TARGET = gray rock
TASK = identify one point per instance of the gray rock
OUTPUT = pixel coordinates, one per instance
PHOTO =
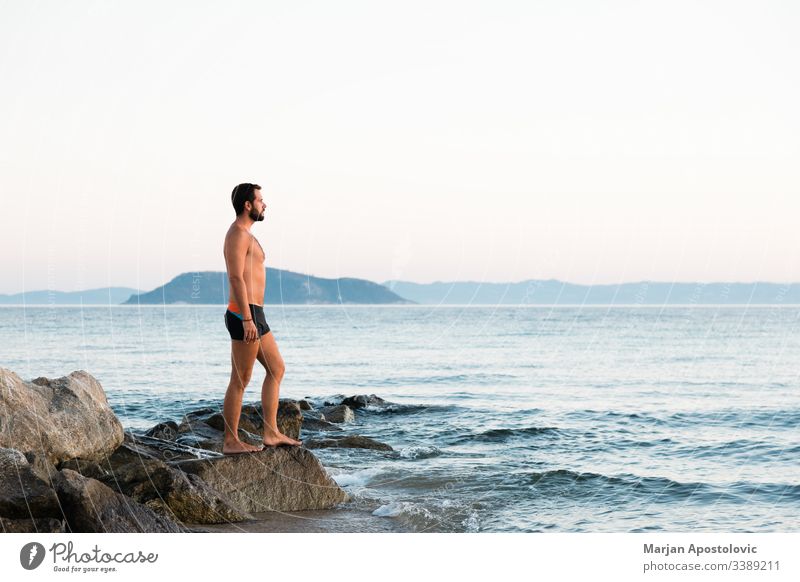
(62, 418)
(353, 441)
(304, 404)
(23, 493)
(91, 507)
(340, 413)
(276, 479)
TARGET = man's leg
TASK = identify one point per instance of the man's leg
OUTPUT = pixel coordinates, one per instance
(271, 359)
(243, 356)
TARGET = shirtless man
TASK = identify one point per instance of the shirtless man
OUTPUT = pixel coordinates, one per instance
(251, 338)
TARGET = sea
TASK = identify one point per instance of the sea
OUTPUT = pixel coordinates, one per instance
(620, 418)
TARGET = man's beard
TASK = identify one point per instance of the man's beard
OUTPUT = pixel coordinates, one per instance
(255, 216)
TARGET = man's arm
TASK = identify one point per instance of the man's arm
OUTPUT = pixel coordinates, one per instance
(235, 256)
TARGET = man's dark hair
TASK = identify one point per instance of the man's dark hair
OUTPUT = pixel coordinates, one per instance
(241, 194)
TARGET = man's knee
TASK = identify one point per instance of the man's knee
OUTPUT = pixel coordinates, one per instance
(241, 378)
(276, 369)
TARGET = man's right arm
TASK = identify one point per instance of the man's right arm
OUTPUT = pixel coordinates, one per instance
(235, 256)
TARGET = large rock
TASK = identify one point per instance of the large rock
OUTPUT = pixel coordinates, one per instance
(91, 507)
(62, 418)
(276, 479)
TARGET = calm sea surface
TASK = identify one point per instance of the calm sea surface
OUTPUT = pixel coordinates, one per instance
(508, 419)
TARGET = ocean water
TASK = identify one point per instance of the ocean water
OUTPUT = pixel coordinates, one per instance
(567, 419)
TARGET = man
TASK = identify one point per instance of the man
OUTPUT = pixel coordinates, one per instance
(251, 338)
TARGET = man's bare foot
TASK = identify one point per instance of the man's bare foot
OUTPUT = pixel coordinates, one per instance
(274, 439)
(239, 447)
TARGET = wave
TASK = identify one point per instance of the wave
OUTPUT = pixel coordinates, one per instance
(739, 418)
(656, 489)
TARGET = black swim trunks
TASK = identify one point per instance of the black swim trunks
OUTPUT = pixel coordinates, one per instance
(235, 325)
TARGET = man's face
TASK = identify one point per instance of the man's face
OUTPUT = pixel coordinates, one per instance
(257, 211)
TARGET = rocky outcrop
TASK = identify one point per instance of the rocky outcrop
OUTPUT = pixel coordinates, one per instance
(276, 479)
(62, 418)
(67, 466)
(353, 441)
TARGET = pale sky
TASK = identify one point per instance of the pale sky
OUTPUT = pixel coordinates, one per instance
(592, 142)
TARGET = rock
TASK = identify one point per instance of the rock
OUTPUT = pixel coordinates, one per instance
(338, 413)
(276, 479)
(353, 441)
(91, 507)
(23, 493)
(317, 424)
(62, 418)
(304, 404)
(166, 431)
(32, 525)
(170, 492)
(362, 401)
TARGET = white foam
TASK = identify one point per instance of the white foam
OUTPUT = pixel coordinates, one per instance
(419, 452)
(390, 509)
(356, 479)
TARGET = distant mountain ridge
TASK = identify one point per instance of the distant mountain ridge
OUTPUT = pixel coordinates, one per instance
(283, 287)
(289, 287)
(554, 292)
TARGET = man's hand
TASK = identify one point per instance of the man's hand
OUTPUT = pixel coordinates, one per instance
(250, 331)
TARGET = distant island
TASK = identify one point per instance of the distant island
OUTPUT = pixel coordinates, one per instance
(283, 287)
(289, 287)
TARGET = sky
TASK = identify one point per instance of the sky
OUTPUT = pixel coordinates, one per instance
(591, 142)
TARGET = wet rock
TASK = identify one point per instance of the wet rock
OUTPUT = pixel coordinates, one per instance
(304, 404)
(61, 418)
(347, 442)
(339, 414)
(276, 479)
(363, 400)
